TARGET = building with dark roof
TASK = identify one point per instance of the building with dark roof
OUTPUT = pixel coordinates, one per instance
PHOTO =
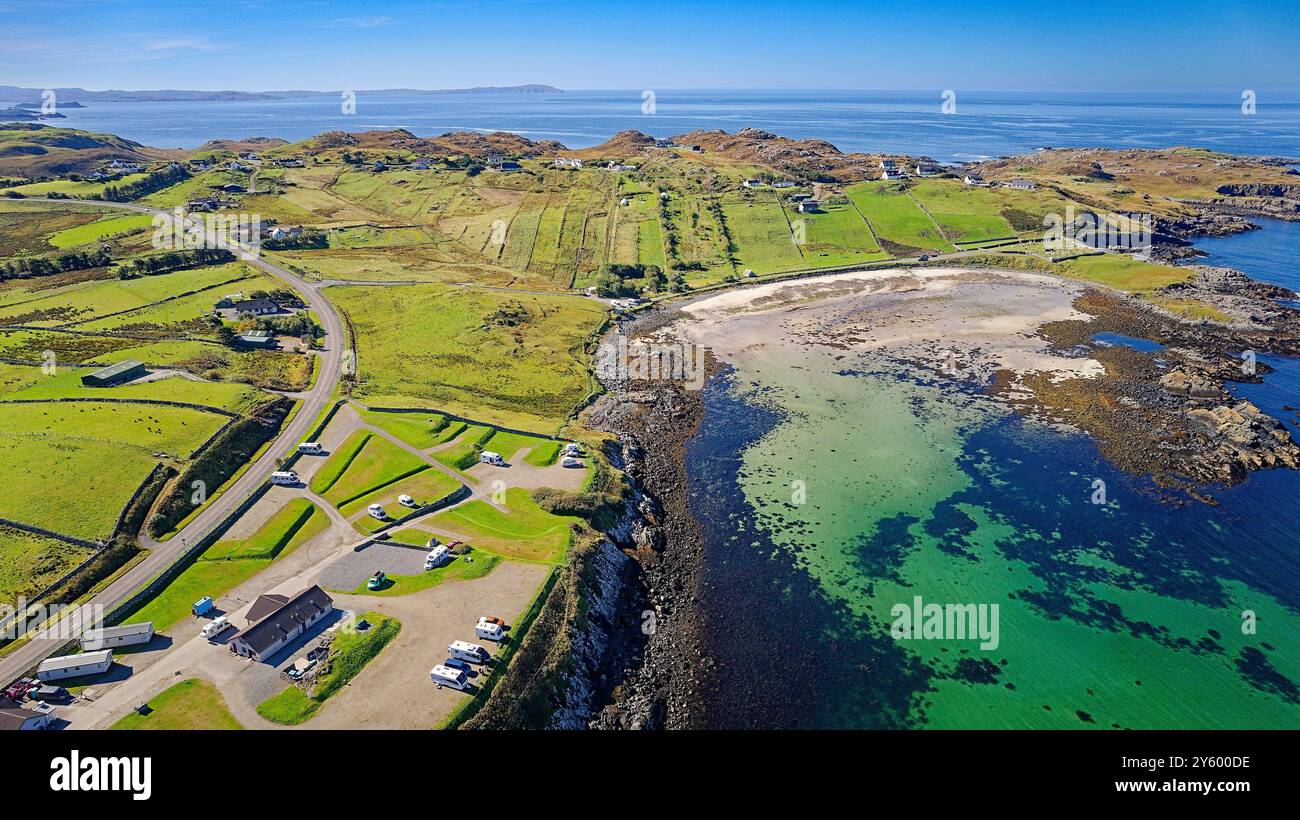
(114, 374)
(15, 716)
(282, 620)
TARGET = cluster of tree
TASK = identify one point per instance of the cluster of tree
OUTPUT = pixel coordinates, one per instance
(309, 239)
(154, 181)
(613, 280)
(27, 268)
(173, 260)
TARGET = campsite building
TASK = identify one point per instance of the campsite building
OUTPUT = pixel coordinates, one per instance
(276, 620)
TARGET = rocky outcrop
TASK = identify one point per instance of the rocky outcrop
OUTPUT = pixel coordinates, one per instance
(1240, 439)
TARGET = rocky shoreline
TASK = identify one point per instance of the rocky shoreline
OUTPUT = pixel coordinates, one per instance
(650, 662)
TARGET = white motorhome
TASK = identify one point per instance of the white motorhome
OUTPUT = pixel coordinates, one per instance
(311, 448)
(466, 651)
(572, 449)
(215, 627)
(489, 457)
(436, 557)
(446, 676)
(488, 630)
(570, 461)
(288, 477)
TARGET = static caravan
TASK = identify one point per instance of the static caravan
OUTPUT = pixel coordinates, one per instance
(488, 630)
(466, 651)
(111, 637)
(75, 666)
(446, 676)
(285, 477)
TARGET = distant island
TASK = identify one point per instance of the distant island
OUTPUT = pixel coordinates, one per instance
(67, 96)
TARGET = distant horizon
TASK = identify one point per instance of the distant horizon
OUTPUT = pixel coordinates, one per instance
(702, 88)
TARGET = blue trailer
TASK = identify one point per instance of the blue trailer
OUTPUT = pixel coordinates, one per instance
(202, 606)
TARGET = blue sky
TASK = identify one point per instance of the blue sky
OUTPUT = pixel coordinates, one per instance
(608, 44)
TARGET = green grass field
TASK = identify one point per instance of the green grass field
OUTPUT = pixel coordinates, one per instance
(513, 359)
(349, 654)
(95, 231)
(766, 242)
(480, 564)
(426, 486)
(420, 430)
(902, 227)
(464, 453)
(192, 704)
(91, 456)
(368, 463)
(227, 564)
(83, 301)
(229, 396)
(527, 531)
(30, 563)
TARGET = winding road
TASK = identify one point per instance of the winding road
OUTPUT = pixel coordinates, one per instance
(162, 555)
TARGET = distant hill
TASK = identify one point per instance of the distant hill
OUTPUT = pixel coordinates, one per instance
(16, 94)
(33, 150)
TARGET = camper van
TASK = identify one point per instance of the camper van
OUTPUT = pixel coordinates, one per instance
(311, 448)
(570, 461)
(572, 449)
(489, 631)
(446, 676)
(436, 557)
(377, 511)
(288, 477)
(466, 651)
(215, 627)
(489, 457)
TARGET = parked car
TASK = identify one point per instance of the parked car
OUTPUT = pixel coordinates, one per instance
(457, 663)
(406, 500)
(50, 694)
(377, 580)
(377, 511)
(492, 619)
(433, 542)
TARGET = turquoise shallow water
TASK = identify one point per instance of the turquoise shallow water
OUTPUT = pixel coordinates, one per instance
(829, 496)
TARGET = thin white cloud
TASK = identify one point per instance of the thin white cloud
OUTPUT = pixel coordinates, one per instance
(182, 44)
(359, 22)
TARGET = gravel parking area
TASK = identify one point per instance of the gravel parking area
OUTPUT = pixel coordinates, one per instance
(352, 570)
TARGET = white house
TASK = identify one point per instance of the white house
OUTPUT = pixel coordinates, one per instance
(75, 666)
(279, 620)
(17, 716)
(1022, 184)
(752, 183)
(111, 637)
(783, 183)
(893, 173)
(973, 178)
(808, 206)
(926, 169)
(565, 162)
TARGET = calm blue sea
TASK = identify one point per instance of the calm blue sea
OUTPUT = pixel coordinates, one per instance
(788, 655)
(985, 124)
